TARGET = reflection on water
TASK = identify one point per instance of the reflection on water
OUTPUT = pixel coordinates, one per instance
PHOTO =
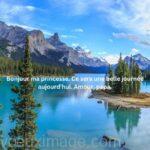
(125, 119)
(145, 86)
(71, 114)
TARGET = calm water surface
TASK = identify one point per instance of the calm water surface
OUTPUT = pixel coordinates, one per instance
(69, 120)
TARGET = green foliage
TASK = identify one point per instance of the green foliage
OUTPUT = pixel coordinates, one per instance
(10, 67)
(125, 76)
(119, 73)
(22, 136)
(109, 75)
(39, 69)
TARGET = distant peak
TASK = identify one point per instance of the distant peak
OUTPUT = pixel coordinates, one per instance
(2, 23)
(55, 37)
(78, 48)
(36, 31)
(137, 55)
(55, 40)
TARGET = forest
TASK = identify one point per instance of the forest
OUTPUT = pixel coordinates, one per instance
(10, 67)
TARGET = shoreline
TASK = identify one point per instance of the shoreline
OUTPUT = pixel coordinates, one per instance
(143, 101)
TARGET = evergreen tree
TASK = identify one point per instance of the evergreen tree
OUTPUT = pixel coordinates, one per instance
(131, 75)
(22, 136)
(119, 74)
(10, 67)
(109, 76)
(127, 75)
(136, 74)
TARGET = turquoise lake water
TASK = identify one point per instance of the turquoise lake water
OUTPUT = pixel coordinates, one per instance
(69, 120)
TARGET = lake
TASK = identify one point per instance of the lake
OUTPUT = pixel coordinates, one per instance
(69, 120)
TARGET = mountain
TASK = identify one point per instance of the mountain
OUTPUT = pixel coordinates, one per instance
(47, 50)
(143, 62)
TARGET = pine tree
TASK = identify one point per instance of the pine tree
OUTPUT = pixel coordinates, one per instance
(23, 135)
(125, 72)
(119, 74)
(110, 75)
(131, 75)
(126, 76)
(136, 84)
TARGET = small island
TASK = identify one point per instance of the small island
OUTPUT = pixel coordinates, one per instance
(119, 101)
(124, 84)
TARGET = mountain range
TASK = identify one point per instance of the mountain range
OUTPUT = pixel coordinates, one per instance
(143, 62)
(52, 51)
(47, 50)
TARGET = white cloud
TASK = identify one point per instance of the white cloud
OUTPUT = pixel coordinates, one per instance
(133, 16)
(102, 53)
(75, 44)
(65, 36)
(126, 36)
(87, 50)
(30, 28)
(134, 51)
(78, 30)
(10, 12)
(47, 33)
(111, 59)
(75, 7)
(30, 8)
(132, 37)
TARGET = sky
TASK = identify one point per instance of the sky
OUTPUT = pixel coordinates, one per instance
(106, 28)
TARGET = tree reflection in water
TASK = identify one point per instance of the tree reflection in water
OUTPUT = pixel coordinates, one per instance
(125, 119)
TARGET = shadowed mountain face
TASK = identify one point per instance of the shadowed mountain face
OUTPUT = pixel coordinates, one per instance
(47, 51)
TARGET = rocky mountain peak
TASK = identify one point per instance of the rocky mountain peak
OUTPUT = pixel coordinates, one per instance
(55, 40)
(79, 49)
(139, 57)
(38, 42)
(2, 23)
(16, 35)
(36, 33)
(56, 37)
(142, 61)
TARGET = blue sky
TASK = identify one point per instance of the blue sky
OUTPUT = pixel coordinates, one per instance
(104, 27)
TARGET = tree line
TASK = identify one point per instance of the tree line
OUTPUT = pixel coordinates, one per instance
(124, 79)
(10, 67)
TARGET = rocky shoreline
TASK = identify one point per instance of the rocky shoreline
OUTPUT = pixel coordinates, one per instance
(141, 101)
